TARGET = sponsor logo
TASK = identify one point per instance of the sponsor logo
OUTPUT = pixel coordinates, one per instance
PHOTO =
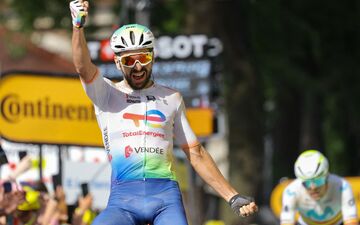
(133, 99)
(13, 109)
(151, 116)
(152, 150)
(106, 53)
(143, 133)
(351, 202)
(128, 151)
(286, 208)
(313, 214)
(150, 98)
(106, 140)
(290, 193)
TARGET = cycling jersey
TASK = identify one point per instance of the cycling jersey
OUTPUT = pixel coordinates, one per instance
(138, 127)
(336, 206)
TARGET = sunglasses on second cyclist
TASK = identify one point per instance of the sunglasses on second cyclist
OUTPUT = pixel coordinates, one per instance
(316, 182)
(130, 60)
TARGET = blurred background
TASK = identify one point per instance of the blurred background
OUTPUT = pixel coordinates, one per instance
(262, 80)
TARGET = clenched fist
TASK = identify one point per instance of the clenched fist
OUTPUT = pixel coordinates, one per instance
(243, 205)
(79, 11)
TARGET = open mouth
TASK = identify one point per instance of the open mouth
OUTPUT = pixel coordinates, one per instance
(138, 77)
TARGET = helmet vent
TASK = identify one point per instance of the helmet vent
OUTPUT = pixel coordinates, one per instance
(124, 42)
(147, 43)
(132, 37)
(317, 168)
(301, 171)
(141, 39)
(119, 46)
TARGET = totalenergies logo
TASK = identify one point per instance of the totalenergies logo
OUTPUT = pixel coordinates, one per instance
(150, 116)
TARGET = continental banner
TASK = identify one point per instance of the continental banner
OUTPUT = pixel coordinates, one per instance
(46, 109)
(276, 195)
(37, 108)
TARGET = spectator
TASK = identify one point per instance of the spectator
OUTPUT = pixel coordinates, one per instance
(84, 214)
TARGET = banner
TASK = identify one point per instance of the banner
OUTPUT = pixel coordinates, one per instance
(47, 109)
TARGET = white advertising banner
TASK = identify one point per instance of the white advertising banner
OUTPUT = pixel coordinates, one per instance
(14, 153)
(97, 175)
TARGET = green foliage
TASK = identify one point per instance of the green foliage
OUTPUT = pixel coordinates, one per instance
(311, 47)
(168, 16)
(28, 10)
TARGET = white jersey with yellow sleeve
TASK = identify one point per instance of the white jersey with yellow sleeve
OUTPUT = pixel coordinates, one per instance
(138, 127)
(337, 206)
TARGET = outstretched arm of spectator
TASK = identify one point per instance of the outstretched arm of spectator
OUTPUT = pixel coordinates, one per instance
(62, 207)
(84, 204)
(9, 201)
(24, 165)
(50, 210)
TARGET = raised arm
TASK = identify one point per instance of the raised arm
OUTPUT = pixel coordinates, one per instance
(81, 57)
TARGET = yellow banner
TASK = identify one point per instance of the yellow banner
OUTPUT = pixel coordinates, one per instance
(201, 120)
(47, 109)
(55, 110)
(276, 195)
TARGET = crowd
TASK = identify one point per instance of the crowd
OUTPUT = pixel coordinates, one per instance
(32, 204)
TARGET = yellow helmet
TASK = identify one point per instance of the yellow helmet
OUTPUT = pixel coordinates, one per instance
(32, 201)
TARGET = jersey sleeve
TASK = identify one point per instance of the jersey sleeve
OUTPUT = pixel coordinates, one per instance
(349, 210)
(288, 210)
(184, 135)
(98, 90)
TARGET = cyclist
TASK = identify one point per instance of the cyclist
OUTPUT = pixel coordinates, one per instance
(139, 119)
(317, 195)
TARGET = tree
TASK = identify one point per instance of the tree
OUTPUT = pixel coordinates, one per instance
(242, 91)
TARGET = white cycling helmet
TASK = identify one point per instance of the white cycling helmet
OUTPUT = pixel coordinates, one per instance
(311, 164)
(131, 37)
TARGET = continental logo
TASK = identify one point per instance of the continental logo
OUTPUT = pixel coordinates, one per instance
(13, 109)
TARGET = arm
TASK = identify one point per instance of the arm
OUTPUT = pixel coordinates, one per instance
(348, 205)
(205, 166)
(288, 210)
(62, 207)
(97, 89)
(84, 205)
(81, 57)
(23, 166)
(50, 211)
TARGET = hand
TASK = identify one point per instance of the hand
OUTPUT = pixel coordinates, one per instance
(85, 202)
(243, 205)
(79, 11)
(10, 201)
(59, 193)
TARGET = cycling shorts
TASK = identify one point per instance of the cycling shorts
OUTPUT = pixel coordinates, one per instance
(147, 201)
